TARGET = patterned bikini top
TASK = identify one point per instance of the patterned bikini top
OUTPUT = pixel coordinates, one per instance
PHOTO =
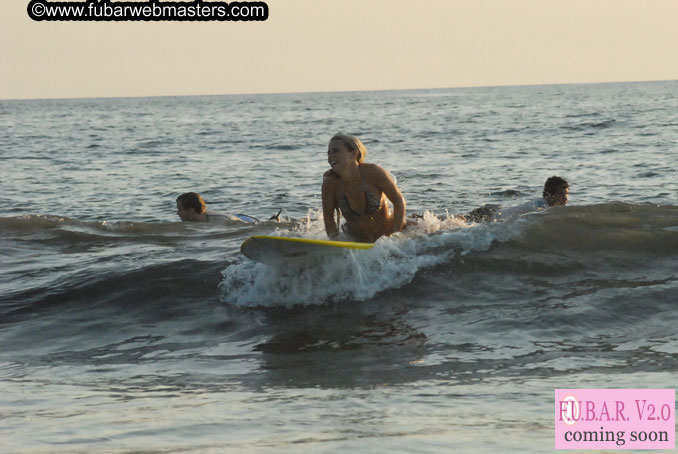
(372, 205)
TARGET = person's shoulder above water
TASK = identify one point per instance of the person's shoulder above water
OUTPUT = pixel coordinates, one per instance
(503, 214)
(221, 217)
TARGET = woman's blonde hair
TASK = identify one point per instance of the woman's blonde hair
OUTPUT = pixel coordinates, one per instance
(353, 144)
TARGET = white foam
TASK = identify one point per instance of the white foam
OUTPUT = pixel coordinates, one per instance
(356, 275)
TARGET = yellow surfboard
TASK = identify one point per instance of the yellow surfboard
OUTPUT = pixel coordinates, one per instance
(275, 250)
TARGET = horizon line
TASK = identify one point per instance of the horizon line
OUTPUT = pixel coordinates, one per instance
(337, 91)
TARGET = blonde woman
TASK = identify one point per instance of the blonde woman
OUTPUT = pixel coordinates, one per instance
(357, 190)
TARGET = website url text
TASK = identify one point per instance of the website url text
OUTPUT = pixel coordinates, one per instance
(151, 10)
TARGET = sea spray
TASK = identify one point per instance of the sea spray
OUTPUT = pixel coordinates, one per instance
(353, 275)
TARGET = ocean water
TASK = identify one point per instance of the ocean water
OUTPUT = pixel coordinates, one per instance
(124, 330)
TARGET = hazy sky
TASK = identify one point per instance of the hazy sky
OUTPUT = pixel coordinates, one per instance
(336, 45)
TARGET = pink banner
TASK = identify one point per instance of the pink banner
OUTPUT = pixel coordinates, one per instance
(615, 419)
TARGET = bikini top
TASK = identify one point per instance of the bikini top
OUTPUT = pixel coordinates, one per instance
(372, 205)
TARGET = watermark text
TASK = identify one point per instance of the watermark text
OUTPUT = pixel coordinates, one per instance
(615, 419)
(151, 10)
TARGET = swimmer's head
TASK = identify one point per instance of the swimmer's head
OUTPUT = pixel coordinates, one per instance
(190, 205)
(556, 190)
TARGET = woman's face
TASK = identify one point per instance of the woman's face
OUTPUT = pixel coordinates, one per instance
(338, 155)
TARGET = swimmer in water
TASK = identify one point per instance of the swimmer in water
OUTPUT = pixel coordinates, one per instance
(191, 208)
(555, 193)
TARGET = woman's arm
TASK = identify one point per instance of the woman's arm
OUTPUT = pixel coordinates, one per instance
(329, 206)
(385, 182)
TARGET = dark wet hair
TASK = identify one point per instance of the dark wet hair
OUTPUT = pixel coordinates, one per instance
(554, 186)
(192, 200)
